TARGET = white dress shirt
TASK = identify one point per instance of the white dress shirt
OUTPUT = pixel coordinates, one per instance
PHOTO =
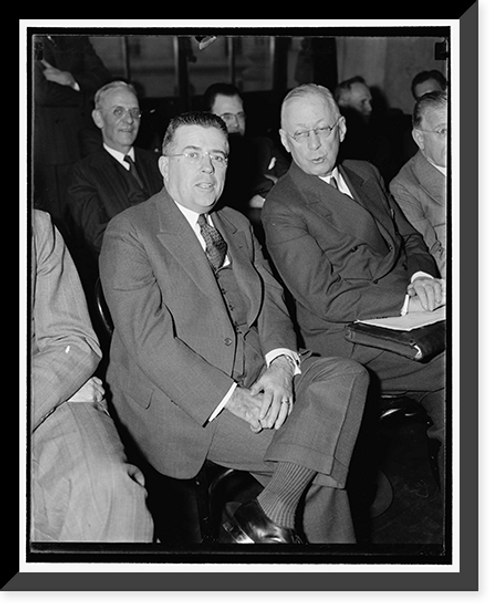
(118, 155)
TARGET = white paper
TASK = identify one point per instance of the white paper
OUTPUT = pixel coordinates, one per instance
(409, 321)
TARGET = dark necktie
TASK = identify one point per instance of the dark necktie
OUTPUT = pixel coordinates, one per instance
(333, 182)
(133, 171)
(216, 246)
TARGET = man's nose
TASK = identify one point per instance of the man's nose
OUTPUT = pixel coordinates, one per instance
(313, 140)
(206, 163)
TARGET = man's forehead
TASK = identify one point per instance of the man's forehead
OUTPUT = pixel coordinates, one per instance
(197, 135)
(224, 103)
(435, 115)
(360, 91)
(120, 95)
(304, 109)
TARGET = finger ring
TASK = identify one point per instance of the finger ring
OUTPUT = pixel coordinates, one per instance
(287, 401)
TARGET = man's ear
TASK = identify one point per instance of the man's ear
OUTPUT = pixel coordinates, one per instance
(163, 162)
(97, 117)
(342, 128)
(418, 138)
(284, 139)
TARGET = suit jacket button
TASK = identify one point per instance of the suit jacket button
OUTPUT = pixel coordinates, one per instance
(228, 341)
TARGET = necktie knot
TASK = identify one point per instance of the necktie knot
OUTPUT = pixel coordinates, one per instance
(333, 182)
(216, 247)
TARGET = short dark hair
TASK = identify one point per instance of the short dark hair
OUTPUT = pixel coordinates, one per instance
(192, 118)
(218, 89)
(429, 100)
(345, 86)
(427, 75)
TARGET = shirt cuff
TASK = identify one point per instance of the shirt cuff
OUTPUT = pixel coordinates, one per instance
(275, 353)
(223, 402)
(420, 273)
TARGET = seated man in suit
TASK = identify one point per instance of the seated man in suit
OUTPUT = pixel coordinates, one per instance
(422, 83)
(373, 132)
(116, 176)
(345, 251)
(255, 163)
(420, 186)
(428, 81)
(83, 488)
(204, 360)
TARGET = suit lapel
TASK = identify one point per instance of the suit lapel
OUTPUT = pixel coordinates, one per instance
(430, 179)
(365, 191)
(178, 238)
(347, 215)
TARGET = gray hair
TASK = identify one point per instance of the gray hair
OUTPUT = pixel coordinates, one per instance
(435, 100)
(308, 89)
(103, 91)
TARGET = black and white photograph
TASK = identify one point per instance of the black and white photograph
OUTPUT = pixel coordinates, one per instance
(242, 305)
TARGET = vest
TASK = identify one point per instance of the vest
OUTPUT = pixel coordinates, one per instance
(248, 360)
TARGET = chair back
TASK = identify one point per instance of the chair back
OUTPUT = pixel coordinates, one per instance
(102, 309)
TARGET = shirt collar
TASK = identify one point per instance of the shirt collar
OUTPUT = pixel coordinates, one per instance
(118, 155)
(342, 185)
(190, 215)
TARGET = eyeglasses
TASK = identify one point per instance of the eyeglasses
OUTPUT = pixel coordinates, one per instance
(442, 132)
(196, 157)
(229, 117)
(119, 112)
(301, 136)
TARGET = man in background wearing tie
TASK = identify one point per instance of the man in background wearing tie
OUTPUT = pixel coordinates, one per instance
(113, 178)
(204, 361)
(345, 251)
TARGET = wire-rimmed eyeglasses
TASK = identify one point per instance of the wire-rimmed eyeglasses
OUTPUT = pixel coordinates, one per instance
(119, 111)
(442, 132)
(195, 157)
(322, 132)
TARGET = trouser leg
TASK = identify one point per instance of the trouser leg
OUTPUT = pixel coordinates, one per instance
(319, 434)
(83, 487)
(425, 382)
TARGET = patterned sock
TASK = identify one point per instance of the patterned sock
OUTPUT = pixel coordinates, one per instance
(280, 497)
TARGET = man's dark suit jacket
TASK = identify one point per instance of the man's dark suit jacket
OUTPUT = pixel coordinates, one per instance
(174, 346)
(61, 112)
(100, 188)
(341, 259)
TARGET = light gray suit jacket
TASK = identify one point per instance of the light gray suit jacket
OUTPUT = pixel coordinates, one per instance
(174, 345)
(420, 190)
(64, 348)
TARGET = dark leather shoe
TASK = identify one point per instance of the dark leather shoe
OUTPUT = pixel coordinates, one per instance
(247, 523)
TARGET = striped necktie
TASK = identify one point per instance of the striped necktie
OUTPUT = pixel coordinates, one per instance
(216, 247)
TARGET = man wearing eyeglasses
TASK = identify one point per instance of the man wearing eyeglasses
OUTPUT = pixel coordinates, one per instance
(256, 162)
(118, 175)
(345, 251)
(204, 359)
(420, 186)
